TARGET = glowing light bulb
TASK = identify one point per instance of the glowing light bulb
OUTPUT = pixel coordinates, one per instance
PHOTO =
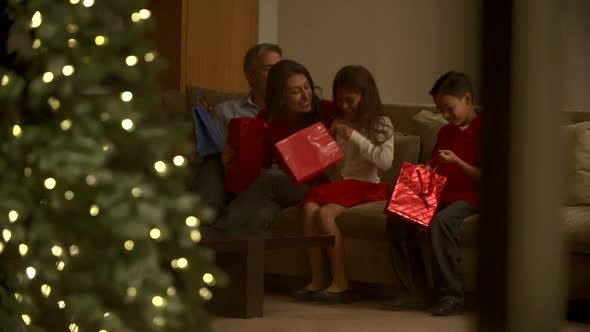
(72, 43)
(1, 247)
(94, 210)
(23, 249)
(131, 60)
(68, 70)
(57, 251)
(160, 167)
(69, 195)
(88, 3)
(178, 161)
(66, 124)
(18, 297)
(101, 40)
(158, 301)
(60, 266)
(91, 180)
(5, 80)
(182, 263)
(208, 278)
(12, 216)
(74, 250)
(195, 235)
(129, 245)
(46, 290)
(26, 318)
(155, 233)
(135, 17)
(48, 77)
(145, 14)
(7, 235)
(61, 304)
(17, 131)
(74, 2)
(36, 20)
(37, 43)
(192, 221)
(171, 291)
(53, 103)
(50, 183)
(126, 96)
(31, 272)
(150, 56)
(128, 125)
(205, 293)
(136, 192)
(74, 327)
(131, 292)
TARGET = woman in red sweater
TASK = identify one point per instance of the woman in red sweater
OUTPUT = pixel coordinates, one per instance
(291, 105)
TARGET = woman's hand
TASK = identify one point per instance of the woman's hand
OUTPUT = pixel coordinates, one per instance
(447, 157)
(227, 155)
(341, 129)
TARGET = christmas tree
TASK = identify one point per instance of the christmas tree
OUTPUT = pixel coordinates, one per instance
(98, 232)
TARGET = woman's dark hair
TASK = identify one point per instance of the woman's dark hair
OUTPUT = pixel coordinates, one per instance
(370, 109)
(276, 85)
(452, 83)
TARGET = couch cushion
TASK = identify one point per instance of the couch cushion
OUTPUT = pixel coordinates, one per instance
(426, 125)
(406, 148)
(578, 170)
(365, 221)
(576, 223)
(401, 115)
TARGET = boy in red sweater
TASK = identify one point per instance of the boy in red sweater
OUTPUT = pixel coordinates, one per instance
(456, 154)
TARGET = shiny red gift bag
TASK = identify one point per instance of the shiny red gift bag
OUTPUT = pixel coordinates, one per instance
(416, 194)
(308, 152)
(245, 136)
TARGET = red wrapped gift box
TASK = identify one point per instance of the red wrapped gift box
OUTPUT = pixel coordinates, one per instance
(416, 194)
(308, 152)
(246, 138)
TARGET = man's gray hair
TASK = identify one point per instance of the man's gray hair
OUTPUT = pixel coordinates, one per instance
(251, 57)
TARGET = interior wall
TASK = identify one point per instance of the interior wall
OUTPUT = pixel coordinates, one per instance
(575, 35)
(406, 44)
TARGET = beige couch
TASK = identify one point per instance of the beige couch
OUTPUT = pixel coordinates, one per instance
(364, 226)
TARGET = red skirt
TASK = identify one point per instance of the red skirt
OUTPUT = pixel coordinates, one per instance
(347, 193)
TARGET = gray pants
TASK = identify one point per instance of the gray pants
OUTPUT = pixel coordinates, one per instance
(445, 231)
(209, 183)
(257, 207)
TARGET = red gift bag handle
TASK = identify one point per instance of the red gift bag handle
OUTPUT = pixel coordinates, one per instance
(423, 194)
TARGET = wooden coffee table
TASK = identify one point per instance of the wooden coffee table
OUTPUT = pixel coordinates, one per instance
(241, 256)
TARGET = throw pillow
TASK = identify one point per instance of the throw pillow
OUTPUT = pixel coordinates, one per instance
(427, 125)
(578, 168)
(406, 148)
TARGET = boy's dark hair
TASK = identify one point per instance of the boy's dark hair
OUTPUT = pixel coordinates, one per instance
(370, 108)
(251, 57)
(276, 85)
(453, 83)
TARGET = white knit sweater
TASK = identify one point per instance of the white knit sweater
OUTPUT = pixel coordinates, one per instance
(362, 159)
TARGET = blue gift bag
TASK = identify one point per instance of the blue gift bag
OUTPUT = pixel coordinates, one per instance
(210, 140)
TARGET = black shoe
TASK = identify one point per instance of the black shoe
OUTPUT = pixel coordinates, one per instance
(447, 307)
(405, 302)
(334, 297)
(303, 295)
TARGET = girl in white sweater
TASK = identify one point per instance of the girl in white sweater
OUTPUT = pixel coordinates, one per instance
(365, 134)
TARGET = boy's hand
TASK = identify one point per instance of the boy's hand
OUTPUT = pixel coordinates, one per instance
(447, 157)
(341, 129)
(227, 155)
